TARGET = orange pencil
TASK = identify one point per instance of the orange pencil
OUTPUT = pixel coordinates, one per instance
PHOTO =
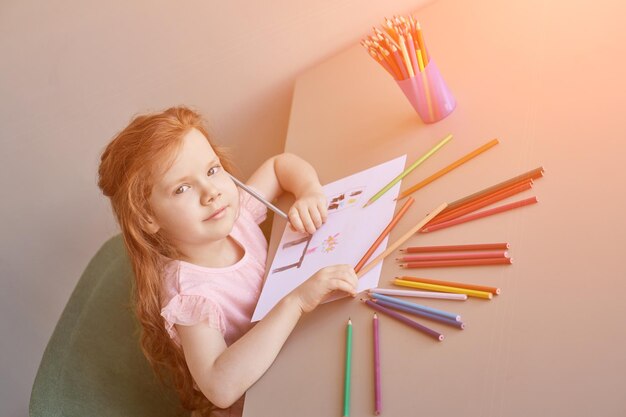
(459, 262)
(449, 248)
(396, 244)
(422, 44)
(453, 255)
(449, 168)
(532, 174)
(483, 202)
(492, 290)
(384, 234)
(480, 214)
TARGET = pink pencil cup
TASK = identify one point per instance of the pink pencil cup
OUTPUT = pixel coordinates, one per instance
(428, 93)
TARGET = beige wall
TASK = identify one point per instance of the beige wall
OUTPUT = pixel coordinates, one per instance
(72, 73)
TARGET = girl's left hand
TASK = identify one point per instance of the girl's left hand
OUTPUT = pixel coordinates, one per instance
(309, 212)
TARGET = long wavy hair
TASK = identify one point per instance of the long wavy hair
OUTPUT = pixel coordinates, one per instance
(127, 173)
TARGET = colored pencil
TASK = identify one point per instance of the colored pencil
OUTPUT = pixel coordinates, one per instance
(419, 294)
(387, 311)
(401, 240)
(443, 288)
(479, 215)
(401, 38)
(453, 255)
(409, 169)
(457, 262)
(259, 197)
(493, 290)
(532, 174)
(450, 248)
(483, 202)
(447, 169)
(384, 234)
(417, 307)
(347, 384)
(422, 314)
(378, 402)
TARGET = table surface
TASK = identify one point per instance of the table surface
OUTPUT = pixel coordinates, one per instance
(546, 78)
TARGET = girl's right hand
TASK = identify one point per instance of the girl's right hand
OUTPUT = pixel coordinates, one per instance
(337, 277)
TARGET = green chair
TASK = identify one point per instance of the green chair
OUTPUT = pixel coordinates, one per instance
(93, 365)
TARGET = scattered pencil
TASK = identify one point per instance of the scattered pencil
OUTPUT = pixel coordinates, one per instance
(430, 332)
(451, 248)
(422, 314)
(409, 169)
(479, 215)
(443, 288)
(458, 262)
(417, 307)
(453, 255)
(532, 174)
(378, 402)
(447, 169)
(419, 294)
(384, 234)
(347, 384)
(493, 290)
(401, 240)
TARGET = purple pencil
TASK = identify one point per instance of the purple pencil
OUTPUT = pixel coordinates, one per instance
(405, 320)
(378, 405)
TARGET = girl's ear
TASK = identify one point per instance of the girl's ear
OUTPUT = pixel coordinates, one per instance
(152, 225)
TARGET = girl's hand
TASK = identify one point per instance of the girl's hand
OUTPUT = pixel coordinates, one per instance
(309, 212)
(337, 277)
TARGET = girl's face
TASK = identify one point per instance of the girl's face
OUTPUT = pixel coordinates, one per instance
(195, 202)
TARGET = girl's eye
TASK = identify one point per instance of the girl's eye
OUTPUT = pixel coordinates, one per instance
(182, 189)
(214, 170)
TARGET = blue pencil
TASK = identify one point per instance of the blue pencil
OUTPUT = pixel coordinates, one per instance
(418, 307)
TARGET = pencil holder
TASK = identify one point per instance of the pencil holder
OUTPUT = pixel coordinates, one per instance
(428, 93)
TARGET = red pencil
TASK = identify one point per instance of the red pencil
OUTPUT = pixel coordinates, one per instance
(479, 215)
(453, 255)
(384, 234)
(449, 248)
(483, 202)
(458, 262)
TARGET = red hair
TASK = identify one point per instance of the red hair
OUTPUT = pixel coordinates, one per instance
(127, 173)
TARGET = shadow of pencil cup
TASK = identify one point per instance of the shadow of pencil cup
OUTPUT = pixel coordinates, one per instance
(428, 93)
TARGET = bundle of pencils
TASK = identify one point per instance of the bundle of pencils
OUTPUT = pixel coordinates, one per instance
(465, 209)
(399, 47)
(455, 255)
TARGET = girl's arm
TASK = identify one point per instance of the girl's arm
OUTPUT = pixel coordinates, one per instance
(288, 172)
(222, 373)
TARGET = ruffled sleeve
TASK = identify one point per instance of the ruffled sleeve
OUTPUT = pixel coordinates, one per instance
(252, 206)
(188, 310)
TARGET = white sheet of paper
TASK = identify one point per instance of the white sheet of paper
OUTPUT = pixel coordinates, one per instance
(347, 234)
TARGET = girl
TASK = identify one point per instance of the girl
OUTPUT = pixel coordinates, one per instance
(198, 255)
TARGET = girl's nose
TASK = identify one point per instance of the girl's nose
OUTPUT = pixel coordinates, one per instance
(210, 194)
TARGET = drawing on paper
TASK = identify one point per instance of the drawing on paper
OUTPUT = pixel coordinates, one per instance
(298, 249)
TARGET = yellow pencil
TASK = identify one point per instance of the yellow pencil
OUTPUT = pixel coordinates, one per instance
(443, 288)
(408, 170)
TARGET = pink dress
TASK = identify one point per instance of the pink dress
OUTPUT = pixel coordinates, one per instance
(223, 297)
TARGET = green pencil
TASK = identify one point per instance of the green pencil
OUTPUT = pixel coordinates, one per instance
(408, 170)
(346, 387)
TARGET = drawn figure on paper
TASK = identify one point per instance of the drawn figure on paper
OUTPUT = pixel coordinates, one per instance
(345, 200)
(298, 249)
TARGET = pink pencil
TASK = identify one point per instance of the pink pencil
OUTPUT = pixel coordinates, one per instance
(454, 255)
(480, 214)
(378, 402)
